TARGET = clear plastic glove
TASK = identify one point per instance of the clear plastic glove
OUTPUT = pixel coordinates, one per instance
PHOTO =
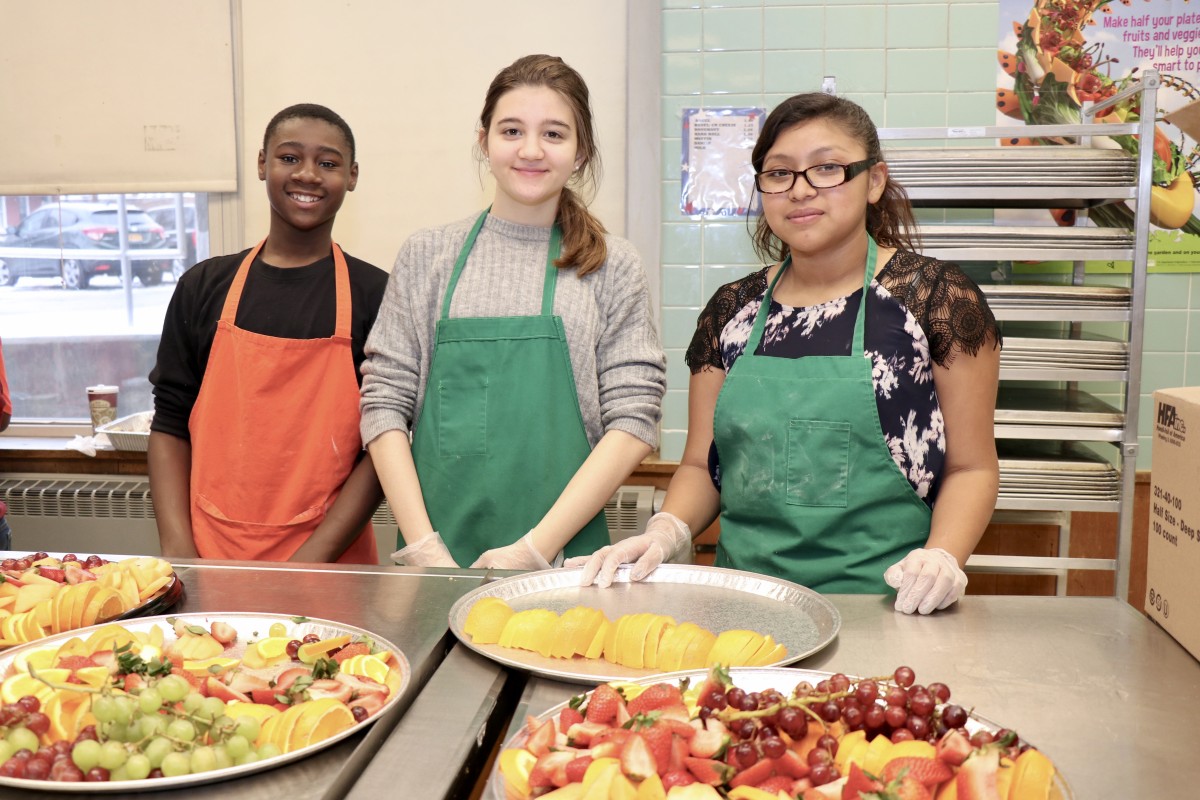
(926, 580)
(519, 555)
(428, 552)
(665, 536)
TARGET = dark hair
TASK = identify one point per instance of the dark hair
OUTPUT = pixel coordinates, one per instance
(583, 234)
(310, 111)
(890, 220)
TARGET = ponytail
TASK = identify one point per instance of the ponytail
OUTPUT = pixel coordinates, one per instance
(583, 245)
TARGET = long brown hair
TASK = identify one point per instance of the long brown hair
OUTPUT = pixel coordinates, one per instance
(889, 221)
(583, 245)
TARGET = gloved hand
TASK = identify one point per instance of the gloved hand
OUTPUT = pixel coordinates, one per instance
(664, 537)
(519, 555)
(926, 580)
(427, 552)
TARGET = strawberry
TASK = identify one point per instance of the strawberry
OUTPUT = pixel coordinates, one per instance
(655, 697)
(581, 733)
(350, 650)
(53, 573)
(577, 768)
(907, 788)
(637, 762)
(927, 771)
(223, 632)
(953, 748)
(618, 735)
(859, 783)
(659, 739)
(680, 729)
(711, 741)
(75, 662)
(976, 779)
(754, 774)
(567, 717)
(603, 705)
(791, 764)
(677, 777)
(551, 769)
(776, 784)
(708, 770)
(542, 739)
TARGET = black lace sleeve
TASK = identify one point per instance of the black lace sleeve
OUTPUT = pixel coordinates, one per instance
(705, 348)
(949, 306)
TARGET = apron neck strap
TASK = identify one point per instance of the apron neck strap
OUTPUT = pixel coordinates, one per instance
(859, 343)
(551, 270)
(341, 282)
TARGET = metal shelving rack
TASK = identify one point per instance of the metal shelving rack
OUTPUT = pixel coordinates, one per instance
(1072, 422)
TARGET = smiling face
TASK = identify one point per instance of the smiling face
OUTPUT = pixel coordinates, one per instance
(812, 222)
(532, 146)
(308, 168)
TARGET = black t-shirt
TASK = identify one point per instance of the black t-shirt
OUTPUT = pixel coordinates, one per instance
(292, 303)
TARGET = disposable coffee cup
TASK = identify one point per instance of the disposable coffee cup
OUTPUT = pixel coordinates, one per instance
(102, 403)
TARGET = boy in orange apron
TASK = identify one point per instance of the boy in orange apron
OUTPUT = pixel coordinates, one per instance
(254, 449)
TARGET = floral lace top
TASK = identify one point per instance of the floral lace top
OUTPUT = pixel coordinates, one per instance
(920, 311)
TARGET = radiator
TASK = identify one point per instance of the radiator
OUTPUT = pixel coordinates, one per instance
(114, 514)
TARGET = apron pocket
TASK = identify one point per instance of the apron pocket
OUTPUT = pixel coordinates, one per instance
(242, 539)
(462, 418)
(818, 457)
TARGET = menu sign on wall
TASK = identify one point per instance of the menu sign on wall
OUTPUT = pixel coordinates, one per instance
(717, 177)
(1058, 55)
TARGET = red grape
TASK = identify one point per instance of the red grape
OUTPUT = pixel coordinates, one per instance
(904, 676)
(939, 690)
(96, 774)
(746, 755)
(954, 716)
(774, 747)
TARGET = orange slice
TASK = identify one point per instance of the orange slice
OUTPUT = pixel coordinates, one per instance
(486, 619)
(320, 719)
(367, 665)
(596, 648)
(654, 633)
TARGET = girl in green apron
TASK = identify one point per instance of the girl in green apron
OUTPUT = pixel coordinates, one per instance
(519, 349)
(842, 400)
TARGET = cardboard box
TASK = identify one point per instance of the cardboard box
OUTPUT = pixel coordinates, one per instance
(1173, 556)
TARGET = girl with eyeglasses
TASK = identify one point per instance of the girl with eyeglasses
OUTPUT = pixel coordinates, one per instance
(842, 399)
(518, 346)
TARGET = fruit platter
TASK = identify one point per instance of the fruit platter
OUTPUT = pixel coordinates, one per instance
(171, 701)
(42, 595)
(770, 734)
(679, 617)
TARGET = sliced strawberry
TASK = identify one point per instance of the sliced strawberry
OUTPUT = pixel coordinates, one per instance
(656, 697)
(218, 689)
(105, 658)
(133, 683)
(542, 739)
(776, 784)
(53, 573)
(577, 768)
(223, 632)
(976, 779)
(708, 770)
(680, 729)
(372, 703)
(285, 679)
(754, 774)
(928, 771)
(327, 687)
(618, 735)
(75, 662)
(659, 739)
(245, 682)
(859, 784)
(581, 733)
(907, 788)
(265, 697)
(568, 717)
(636, 760)
(350, 650)
(953, 748)
(679, 754)
(791, 764)
(603, 705)
(75, 574)
(609, 749)
(709, 743)
(551, 769)
(677, 777)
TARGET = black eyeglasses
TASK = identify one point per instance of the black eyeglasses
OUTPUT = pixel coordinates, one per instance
(822, 176)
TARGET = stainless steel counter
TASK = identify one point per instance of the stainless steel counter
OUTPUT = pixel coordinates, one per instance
(1109, 696)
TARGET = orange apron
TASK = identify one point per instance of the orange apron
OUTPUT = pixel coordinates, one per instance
(274, 435)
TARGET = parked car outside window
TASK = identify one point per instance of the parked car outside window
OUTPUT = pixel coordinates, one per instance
(70, 226)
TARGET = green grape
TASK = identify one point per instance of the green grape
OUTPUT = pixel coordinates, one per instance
(6, 750)
(269, 750)
(224, 760)
(151, 725)
(104, 708)
(203, 759)
(173, 688)
(112, 755)
(192, 702)
(121, 773)
(23, 739)
(125, 708)
(222, 726)
(249, 758)
(86, 754)
(277, 629)
(150, 700)
(176, 764)
(182, 730)
(156, 750)
(211, 708)
(237, 746)
(248, 727)
(138, 767)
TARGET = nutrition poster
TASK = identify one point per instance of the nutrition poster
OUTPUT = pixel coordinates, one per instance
(1057, 54)
(717, 178)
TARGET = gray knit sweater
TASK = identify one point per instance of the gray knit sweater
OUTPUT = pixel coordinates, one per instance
(620, 370)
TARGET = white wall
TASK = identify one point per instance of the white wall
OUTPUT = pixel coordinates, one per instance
(409, 78)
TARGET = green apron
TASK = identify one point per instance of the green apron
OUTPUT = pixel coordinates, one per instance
(500, 433)
(809, 491)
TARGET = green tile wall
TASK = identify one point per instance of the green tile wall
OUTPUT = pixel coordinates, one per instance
(908, 63)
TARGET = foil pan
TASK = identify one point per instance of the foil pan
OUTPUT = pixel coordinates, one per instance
(713, 598)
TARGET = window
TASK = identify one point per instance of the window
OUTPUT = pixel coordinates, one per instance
(82, 299)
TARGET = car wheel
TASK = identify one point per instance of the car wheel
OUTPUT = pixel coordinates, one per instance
(74, 276)
(151, 275)
(6, 276)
